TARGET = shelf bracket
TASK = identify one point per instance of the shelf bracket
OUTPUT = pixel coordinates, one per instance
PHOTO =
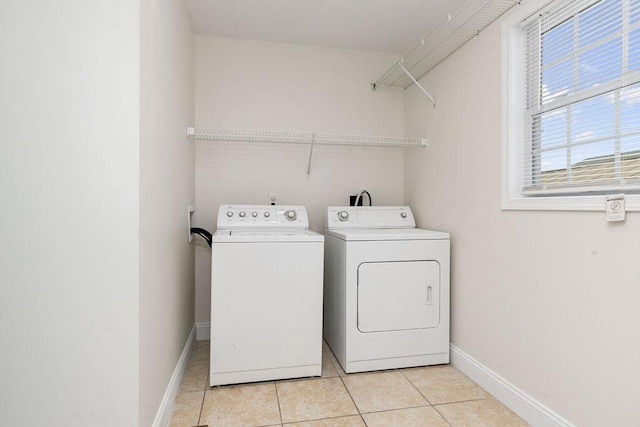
(416, 83)
(313, 139)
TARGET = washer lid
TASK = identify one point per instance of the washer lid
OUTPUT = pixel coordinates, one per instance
(381, 234)
(265, 235)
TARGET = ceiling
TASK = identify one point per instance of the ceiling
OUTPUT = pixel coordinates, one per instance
(380, 25)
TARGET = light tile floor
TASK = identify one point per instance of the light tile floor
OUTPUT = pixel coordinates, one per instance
(430, 396)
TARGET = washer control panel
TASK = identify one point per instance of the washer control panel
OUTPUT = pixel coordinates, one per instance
(262, 216)
(370, 217)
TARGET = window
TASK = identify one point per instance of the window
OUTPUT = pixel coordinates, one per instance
(571, 103)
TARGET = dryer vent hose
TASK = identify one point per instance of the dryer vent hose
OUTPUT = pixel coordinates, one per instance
(204, 233)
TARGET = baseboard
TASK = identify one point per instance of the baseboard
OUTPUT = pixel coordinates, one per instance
(163, 415)
(203, 331)
(525, 406)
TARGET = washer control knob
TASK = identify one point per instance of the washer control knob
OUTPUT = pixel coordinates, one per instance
(229, 214)
(290, 215)
(403, 214)
(343, 215)
(267, 214)
(242, 214)
(254, 214)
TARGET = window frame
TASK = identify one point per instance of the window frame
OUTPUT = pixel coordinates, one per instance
(513, 127)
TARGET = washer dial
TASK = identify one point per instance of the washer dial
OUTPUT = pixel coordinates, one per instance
(343, 215)
(290, 215)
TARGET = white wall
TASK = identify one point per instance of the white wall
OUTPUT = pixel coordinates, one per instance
(252, 85)
(548, 300)
(69, 168)
(167, 176)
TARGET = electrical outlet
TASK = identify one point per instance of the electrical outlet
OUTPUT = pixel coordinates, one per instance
(352, 200)
(191, 210)
(273, 198)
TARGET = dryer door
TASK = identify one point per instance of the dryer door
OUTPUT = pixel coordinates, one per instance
(398, 295)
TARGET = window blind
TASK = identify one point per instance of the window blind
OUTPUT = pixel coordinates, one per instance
(582, 94)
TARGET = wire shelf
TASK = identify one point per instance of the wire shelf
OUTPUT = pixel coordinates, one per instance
(458, 27)
(303, 138)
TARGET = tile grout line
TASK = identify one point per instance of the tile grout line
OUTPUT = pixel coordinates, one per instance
(464, 401)
(275, 385)
(442, 415)
(397, 409)
(417, 389)
(394, 409)
(334, 362)
(337, 417)
(354, 403)
(432, 405)
(351, 397)
(323, 418)
(204, 395)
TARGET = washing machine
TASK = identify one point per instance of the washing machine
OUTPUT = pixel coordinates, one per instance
(266, 295)
(386, 289)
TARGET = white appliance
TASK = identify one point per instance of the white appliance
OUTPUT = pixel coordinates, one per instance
(386, 289)
(266, 295)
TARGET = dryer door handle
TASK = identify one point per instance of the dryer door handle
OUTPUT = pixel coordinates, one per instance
(429, 294)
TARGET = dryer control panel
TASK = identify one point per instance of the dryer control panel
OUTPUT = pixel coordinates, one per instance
(370, 217)
(262, 216)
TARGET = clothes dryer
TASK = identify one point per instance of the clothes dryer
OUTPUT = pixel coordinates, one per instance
(386, 289)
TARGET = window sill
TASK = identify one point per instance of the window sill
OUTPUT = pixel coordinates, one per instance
(567, 203)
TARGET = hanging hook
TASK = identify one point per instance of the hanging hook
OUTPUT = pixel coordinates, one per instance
(313, 138)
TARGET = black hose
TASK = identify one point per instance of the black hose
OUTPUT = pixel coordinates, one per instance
(204, 233)
(367, 193)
